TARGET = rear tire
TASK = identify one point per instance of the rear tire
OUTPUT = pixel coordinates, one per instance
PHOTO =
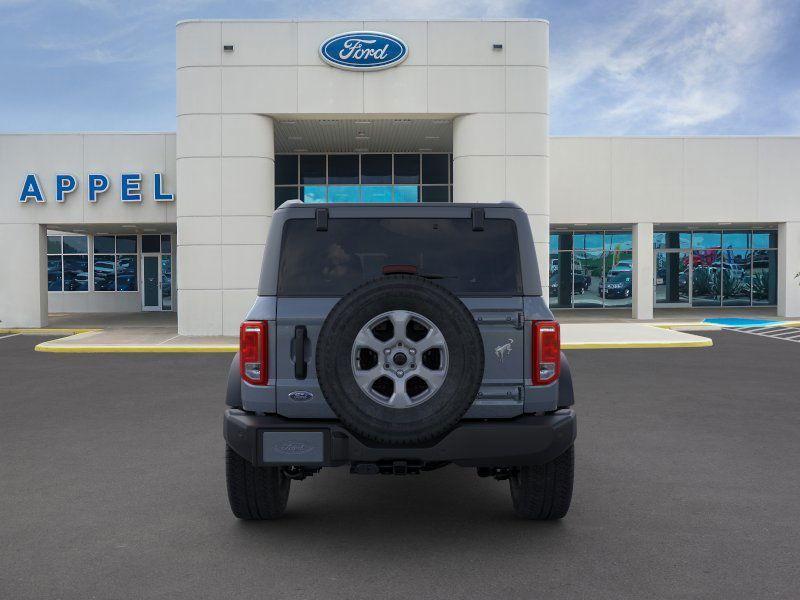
(255, 493)
(544, 492)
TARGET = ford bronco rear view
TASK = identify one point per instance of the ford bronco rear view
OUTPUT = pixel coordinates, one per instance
(398, 339)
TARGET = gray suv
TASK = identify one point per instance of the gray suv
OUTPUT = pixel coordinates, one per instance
(398, 339)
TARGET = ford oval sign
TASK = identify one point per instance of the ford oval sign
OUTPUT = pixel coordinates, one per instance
(363, 50)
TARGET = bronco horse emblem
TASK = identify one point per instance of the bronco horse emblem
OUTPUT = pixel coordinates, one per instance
(504, 350)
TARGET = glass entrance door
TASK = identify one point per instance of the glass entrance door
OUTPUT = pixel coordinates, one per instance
(151, 276)
(672, 274)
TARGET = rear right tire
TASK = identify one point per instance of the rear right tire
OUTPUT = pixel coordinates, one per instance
(544, 492)
(255, 493)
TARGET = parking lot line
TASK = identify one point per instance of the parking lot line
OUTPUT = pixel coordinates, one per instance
(790, 333)
(2, 337)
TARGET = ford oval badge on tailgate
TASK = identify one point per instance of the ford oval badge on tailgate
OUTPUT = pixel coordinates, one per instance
(292, 447)
(300, 396)
(363, 50)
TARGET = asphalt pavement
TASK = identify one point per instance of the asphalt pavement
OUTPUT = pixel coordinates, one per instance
(687, 486)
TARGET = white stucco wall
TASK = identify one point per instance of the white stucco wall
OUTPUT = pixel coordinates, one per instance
(715, 181)
(23, 296)
(675, 180)
(227, 100)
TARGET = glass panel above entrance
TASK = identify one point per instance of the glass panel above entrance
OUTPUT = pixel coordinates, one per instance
(377, 178)
(363, 160)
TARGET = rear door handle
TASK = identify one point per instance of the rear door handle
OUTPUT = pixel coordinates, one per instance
(299, 347)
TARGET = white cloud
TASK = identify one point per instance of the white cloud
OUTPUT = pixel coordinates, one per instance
(669, 69)
(408, 9)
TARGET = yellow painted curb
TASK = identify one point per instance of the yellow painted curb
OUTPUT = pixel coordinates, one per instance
(704, 343)
(100, 349)
(686, 326)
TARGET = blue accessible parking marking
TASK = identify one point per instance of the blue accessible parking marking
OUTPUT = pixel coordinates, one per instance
(742, 322)
(779, 330)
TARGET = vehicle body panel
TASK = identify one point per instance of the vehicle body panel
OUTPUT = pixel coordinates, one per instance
(505, 323)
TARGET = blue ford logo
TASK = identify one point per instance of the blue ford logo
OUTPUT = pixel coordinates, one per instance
(300, 396)
(363, 50)
(290, 447)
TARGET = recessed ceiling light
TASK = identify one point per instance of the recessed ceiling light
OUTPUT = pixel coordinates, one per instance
(362, 136)
(363, 122)
(288, 122)
(426, 149)
(128, 226)
(431, 137)
(301, 149)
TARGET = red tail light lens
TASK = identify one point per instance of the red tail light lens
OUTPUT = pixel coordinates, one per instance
(546, 352)
(253, 352)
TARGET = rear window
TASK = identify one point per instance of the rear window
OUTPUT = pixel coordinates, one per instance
(353, 251)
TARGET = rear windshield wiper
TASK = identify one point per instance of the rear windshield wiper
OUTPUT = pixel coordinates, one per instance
(412, 270)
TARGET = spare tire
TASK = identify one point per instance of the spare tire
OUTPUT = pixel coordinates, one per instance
(399, 360)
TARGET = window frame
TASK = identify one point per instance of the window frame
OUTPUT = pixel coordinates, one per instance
(299, 187)
(603, 247)
(89, 265)
(116, 256)
(722, 250)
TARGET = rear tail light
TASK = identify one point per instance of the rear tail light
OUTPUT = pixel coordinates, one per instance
(546, 352)
(253, 352)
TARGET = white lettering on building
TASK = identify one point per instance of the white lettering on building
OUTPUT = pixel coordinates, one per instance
(354, 47)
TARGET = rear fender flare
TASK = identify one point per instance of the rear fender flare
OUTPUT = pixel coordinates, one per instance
(566, 395)
(233, 396)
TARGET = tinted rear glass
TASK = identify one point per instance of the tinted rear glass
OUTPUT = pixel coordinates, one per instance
(353, 251)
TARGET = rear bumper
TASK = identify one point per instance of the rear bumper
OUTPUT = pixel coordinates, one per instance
(525, 440)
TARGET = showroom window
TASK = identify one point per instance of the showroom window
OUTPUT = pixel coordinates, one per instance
(67, 263)
(716, 267)
(376, 177)
(115, 263)
(591, 269)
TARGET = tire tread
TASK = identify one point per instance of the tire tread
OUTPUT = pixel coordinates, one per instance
(544, 492)
(255, 493)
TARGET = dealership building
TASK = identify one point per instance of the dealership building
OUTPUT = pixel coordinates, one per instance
(389, 111)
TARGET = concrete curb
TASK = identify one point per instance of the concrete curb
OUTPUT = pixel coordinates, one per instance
(59, 346)
(46, 331)
(704, 343)
(153, 348)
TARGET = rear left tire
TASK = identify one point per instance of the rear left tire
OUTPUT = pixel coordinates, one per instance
(544, 492)
(255, 493)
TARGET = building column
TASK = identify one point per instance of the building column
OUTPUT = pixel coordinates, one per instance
(642, 271)
(505, 157)
(23, 271)
(789, 270)
(226, 177)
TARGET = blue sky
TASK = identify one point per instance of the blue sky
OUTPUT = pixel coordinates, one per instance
(617, 68)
